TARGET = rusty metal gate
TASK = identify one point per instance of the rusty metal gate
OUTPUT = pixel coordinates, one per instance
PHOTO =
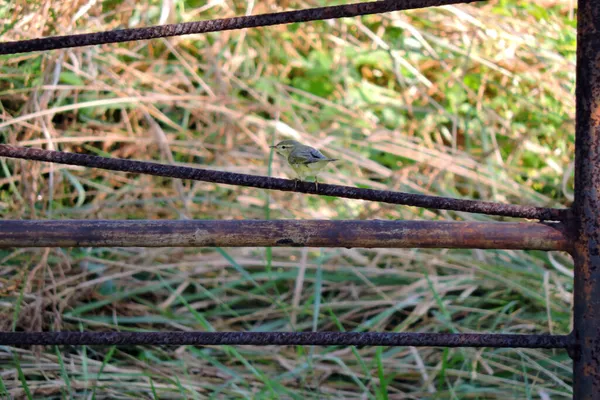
(575, 230)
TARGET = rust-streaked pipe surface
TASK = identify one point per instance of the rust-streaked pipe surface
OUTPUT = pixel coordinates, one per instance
(263, 182)
(285, 338)
(283, 233)
(585, 221)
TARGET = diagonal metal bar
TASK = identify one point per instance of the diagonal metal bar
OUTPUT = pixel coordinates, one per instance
(285, 338)
(252, 21)
(263, 182)
(284, 233)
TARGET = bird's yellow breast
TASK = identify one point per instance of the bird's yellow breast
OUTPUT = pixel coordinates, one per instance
(304, 170)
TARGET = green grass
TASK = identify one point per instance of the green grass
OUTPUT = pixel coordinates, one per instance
(470, 101)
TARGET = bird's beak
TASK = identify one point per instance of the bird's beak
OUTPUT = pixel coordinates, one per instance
(272, 147)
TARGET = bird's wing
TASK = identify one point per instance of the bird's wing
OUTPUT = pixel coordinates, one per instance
(317, 155)
(306, 155)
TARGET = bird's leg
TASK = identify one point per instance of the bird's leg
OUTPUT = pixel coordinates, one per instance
(316, 183)
(297, 179)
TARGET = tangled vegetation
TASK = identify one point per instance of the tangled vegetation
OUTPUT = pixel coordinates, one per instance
(469, 101)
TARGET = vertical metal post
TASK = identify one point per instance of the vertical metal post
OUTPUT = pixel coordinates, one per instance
(585, 218)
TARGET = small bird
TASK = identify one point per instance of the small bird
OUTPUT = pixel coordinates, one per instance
(305, 160)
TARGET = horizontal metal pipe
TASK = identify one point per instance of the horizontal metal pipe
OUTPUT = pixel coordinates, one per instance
(283, 233)
(285, 338)
(263, 182)
(215, 25)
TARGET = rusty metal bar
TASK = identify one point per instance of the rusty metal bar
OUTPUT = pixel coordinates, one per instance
(284, 233)
(263, 182)
(585, 221)
(285, 338)
(225, 24)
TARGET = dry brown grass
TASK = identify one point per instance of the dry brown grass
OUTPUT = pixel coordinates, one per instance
(458, 101)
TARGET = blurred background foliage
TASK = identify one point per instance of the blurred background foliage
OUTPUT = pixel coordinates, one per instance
(469, 101)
